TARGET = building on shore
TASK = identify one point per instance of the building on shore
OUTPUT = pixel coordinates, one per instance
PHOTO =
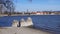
(6, 6)
(2, 8)
(46, 13)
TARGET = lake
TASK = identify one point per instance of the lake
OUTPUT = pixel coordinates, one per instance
(51, 22)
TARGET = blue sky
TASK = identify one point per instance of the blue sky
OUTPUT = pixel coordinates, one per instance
(37, 5)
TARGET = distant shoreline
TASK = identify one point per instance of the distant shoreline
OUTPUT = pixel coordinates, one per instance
(18, 15)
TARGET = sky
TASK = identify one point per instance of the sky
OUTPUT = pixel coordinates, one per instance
(37, 5)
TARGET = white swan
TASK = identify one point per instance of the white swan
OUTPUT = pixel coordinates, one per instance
(15, 23)
(22, 22)
(27, 22)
